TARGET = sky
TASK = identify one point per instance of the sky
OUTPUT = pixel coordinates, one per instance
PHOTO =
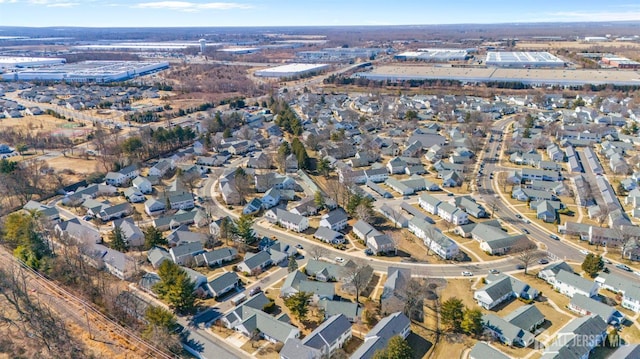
(180, 13)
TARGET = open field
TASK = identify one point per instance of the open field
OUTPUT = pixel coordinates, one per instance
(43, 124)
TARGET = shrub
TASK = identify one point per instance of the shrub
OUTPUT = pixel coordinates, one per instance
(269, 307)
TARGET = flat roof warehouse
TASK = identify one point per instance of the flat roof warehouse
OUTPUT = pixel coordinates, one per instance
(291, 70)
(563, 77)
(88, 71)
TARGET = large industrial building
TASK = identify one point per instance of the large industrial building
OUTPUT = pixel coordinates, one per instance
(88, 71)
(338, 54)
(291, 70)
(619, 62)
(142, 46)
(11, 62)
(436, 55)
(561, 77)
(522, 59)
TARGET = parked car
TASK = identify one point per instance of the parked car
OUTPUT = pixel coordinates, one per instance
(450, 194)
(543, 261)
(518, 216)
(299, 246)
(339, 259)
(623, 267)
(584, 251)
(467, 274)
(494, 271)
(553, 236)
(368, 252)
(519, 266)
(255, 290)
(524, 230)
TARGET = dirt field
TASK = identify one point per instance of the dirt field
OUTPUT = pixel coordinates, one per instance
(39, 124)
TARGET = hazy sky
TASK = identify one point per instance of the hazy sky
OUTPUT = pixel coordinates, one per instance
(132, 13)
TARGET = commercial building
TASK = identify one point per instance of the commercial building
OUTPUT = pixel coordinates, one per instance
(291, 70)
(9, 62)
(436, 55)
(88, 71)
(619, 62)
(338, 54)
(522, 59)
(534, 76)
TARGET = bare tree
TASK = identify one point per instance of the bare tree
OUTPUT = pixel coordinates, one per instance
(492, 205)
(625, 239)
(242, 184)
(527, 253)
(317, 252)
(357, 275)
(413, 294)
(603, 215)
(190, 179)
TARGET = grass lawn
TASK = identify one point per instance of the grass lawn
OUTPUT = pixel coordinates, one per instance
(630, 334)
(547, 291)
(475, 247)
(460, 288)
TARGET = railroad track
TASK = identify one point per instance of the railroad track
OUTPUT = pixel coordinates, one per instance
(83, 312)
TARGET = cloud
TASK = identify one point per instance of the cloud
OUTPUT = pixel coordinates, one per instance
(191, 6)
(594, 16)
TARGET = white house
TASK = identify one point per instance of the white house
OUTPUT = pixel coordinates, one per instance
(569, 284)
(142, 184)
(452, 214)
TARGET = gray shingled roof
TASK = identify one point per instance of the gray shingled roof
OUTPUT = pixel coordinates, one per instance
(328, 332)
(483, 351)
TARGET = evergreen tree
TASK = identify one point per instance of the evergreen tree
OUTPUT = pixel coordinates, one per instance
(298, 304)
(397, 348)
(175, 287)
(153, 237)
(452, 313)
(293, 264)
(592, 264)
(472, 322)
(318, 199)
(117, 240)
(243, 229)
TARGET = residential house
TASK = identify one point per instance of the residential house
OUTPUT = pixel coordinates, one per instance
(483, 350)
(123, 176)
(297, 282)
(450, 179)
(226, 187)
(629, 289)
(217, 257)
(570, 284)
(506, 332)
(223, 284)
(153, 206)
(470, 206)
(537, 174)
(380, 243)
(396, 324)
(119, 264)
(142, 184)
(584, 305)
(288, 220)
(157, 255)
(120, 210)
(393, 297)
(376, 175)
(578, 338)
(48, 212)
(549, 272)
(500, 288)
(330, 336)
(395, 217)
(185, 252)
(528, 317)
(328, 235)
(546, 210)
(182, 201)
(396, 165)
(255, 263)
(362, 228)
(161, 168)
(234, 317)
(527, 194)
(353, 311)
(452, 214)
(335, 220)
(254, 206)
(429, 203)
(132, 234)
(274, 329)
(435, 240)
(81, 233)
(133, 195)
(324, 271)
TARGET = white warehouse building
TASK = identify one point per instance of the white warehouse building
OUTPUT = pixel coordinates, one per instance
(522, 59)
(89, 71)
(291, 70)
(9, 62)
